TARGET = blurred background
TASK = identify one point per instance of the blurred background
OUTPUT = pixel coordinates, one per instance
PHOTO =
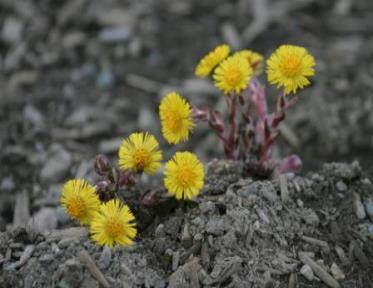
(77, 76)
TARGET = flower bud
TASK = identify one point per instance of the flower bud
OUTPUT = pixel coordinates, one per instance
(105, 191)
(102, 165)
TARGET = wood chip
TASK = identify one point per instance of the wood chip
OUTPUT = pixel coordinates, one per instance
(143, 83)
(87, 261)
(284, 188)
(319, 271)
(317, 242)
(342, 255)
(359, 254)
(21, 210)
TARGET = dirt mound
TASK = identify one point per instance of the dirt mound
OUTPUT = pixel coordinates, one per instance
(255, 234)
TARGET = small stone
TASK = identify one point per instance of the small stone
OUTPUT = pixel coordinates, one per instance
(55, 249)
(105, 79)
(341, 186)
(7, 184)
(311, 217)
(12, 30)
(300, 203)
(307, 272)
(207, 206)
(198, 237)
(114, 34)
(159, 231)
(44, 220)
(359, 207)
(369, 208)
(337, 272)
(105, 257)
(56, 166)
(215, 226)
(46, 258)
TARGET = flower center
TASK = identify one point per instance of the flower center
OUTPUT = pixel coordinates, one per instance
(233, 76)
(186, 176)
(113, 228)
(291, 66)
(142, 158)
(76, 207)
(175, 121)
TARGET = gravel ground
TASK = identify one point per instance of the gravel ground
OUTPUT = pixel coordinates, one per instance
(313, 231)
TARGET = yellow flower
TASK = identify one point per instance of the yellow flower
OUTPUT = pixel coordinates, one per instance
(80, 200)
(140, 153)
(175, 114)
(211, 60)
(255, 60)
(289, 66)
(114, 224)
(184, 175)
(233, 74)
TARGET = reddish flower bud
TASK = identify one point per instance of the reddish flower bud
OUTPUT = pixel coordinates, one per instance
(102, 165)
(105, 191)
(291, 163)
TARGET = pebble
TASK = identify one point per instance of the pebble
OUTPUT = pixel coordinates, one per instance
(55, 249)
(57, 165)
(215, 226)
(337, 272)
(207, 206)
(370, 231)
(114, 34)
(341, 186)
(159, 231)
(44, 220)
(198, 237)
(46, 258)
(105, 79)
(300, 203)
(369, 208)
(311, 218)
(358, 207)
(7, 184)
(62, 216)
(105, 257)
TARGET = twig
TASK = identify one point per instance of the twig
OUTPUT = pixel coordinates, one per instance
(143, 83)
(87, 260)
(284, 188)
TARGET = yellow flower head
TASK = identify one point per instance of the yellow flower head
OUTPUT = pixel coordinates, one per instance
(80, 200)
(140, 153)
(175, 114)
(233, 74)
(184, 175)
(211, 60)
(255, 60)
(289, 66)
(114, 224)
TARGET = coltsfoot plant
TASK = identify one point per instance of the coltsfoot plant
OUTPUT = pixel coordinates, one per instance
(249, 134)
(251, 129)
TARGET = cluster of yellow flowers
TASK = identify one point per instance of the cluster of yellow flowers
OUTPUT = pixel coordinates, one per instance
(112, 222)
(288, 67)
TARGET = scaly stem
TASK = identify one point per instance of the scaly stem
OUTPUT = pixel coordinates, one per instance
(231, 147)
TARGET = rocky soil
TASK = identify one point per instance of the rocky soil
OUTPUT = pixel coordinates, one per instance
(313, 231)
